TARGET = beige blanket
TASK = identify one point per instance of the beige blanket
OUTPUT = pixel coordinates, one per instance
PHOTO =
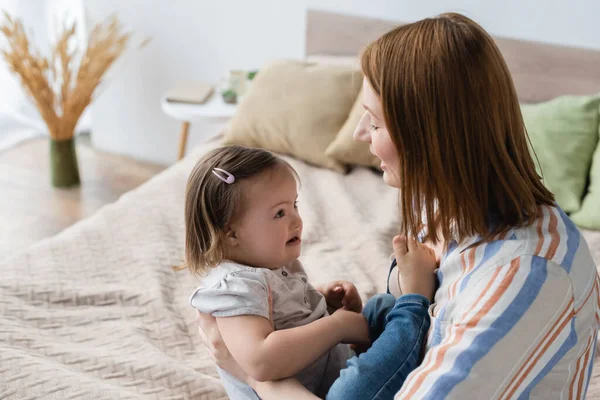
(97, 312)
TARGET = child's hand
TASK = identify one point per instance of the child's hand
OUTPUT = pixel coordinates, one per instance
(353, 327)
(416, 266)
(340, 294)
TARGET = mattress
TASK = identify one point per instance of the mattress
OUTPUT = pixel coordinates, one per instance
(97, 311)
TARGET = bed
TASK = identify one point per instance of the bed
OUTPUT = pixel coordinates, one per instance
(98, 312)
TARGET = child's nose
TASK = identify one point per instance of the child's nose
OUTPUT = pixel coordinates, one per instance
(297, 222)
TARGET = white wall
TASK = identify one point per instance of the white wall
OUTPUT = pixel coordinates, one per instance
(19, 117)
(202, 39)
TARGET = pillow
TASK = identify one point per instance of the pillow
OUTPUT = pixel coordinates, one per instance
(340, 61)
(296, 108)
(564, 134)
(347, 150)
(589, 214)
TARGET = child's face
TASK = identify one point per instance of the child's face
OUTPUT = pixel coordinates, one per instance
(268, 229)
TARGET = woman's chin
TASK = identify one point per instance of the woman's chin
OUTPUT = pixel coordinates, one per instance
(390, 180)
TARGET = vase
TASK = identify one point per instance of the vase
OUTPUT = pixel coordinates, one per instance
(64, 170)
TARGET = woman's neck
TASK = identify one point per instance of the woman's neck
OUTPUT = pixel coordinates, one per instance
(440, 247)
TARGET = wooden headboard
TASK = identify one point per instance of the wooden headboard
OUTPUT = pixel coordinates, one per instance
(540, 71)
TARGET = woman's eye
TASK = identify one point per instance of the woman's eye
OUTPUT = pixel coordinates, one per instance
(374, 128)
(295, 204)
(280, 214)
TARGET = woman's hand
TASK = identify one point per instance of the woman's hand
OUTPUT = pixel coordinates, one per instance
(215, 345)
(212, 340)
(416, 267)
(341, 294)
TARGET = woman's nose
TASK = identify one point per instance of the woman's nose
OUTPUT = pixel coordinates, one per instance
(362, 133)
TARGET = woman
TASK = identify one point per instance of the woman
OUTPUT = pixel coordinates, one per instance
(516, 311)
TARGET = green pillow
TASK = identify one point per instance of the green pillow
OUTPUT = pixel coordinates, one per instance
(589, 214)
(564, 134)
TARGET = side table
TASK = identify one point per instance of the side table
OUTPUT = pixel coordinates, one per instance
(214, 109)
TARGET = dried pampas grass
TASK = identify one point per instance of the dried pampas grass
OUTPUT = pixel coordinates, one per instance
(63, 86)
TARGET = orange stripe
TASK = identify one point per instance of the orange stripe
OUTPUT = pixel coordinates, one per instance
(425, 367)
(471, 263)
(592, 290)
(466, 269)
(572, 387)
(554, 234)
(598, 299)
(581, 364)
(506, 281)
(584, 367)
(476, 304)
(464, 266)
(544, 349)
(540, 344)
(540, 236)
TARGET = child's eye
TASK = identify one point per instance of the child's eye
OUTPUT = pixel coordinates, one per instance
(374, 128)
(280, 214)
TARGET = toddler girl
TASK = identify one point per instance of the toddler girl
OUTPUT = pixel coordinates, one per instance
(243, 236)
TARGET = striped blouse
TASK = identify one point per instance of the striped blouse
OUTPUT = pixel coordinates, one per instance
(514, 318)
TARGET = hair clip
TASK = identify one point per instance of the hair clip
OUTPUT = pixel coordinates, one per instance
(228, 178)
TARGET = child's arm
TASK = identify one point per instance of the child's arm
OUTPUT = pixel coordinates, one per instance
(268, 355)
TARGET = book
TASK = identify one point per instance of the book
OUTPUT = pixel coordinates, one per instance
(190, 92)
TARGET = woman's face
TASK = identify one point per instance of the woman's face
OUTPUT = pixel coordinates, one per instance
(371, 129)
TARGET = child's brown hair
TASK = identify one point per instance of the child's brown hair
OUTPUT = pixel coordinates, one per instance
(211, 203)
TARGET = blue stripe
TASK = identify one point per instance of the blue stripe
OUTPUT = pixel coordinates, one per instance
(566, 346)
(590, 367)
(437, 329)
(484, 342)
(573, 237)
(451, 247)
(440, 277)
(490, 250)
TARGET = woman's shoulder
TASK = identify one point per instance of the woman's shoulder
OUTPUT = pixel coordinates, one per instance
(552, 243)
(553, 237)
(547, 260)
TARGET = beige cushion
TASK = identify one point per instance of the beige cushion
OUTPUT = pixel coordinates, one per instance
(347, 150)
(296, 108)
(340, 61)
